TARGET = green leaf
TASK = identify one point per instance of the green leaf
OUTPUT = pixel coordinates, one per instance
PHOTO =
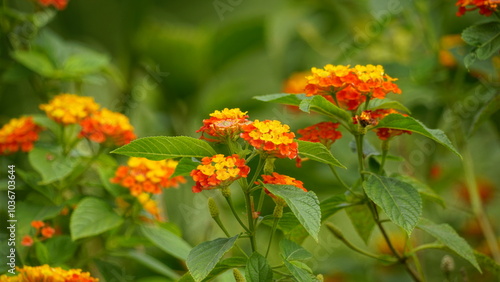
(258, 269)
(163, 147)
(51, 164)
(399, 200)
(376, 104)
(60, 249)
(315, 103)
(362, 220)
(299, 273)
(485, 37)
(92, 217)
(229, 263)
(152, 263)
(450, 238)
(317, 152)
(487, 263)
(42, 254)
(332, 205)
(166, 241)
(422, 188)
(35, 61)
(290, 226)
(81, 64)
(397, 121)
(204, 257)
(185, 166)
(292, 251)
(304, 205)
(491, 107)
(321, 105)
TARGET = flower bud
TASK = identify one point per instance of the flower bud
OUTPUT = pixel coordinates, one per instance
(212, 207)
(447, 264)
(238, 276)
(278, 209)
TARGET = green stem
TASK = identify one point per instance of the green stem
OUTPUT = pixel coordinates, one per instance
(275, 226)
(231, 206)
(385, 149)
(260, 204)
(221, 225)
(425, 247)
(359, 149)
(332, 168)
(477, 206)
(251, 225)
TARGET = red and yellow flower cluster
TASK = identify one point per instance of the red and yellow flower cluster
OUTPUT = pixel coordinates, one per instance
(107, 127)
(101, 126)
(281, 179)
(142, 175)
(271, 137)
(373, 117)
(43, 232)
(218, 171)
(224, 125)
(18, 134)
(324, 132)
(59, 4)
(47, 273)
(486, 7)
(350, 87)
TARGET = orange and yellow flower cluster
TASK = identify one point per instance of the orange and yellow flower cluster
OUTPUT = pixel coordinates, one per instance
(224, 125)
(218, 171)
(486, 7)
(59, 4)
(142, 175)
(149, 205)
(324, 132)
(69, 108)
(101, 126)
(281, 179)
(271, 137)
(46, 273)
(43, 232)
(107, 127)
(18, 134)
(350, 87)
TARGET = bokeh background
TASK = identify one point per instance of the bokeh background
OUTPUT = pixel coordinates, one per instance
(168, 64)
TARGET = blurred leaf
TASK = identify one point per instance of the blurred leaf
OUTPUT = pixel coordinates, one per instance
(376, 104)
(42, 254)
(105, 174)
(317, 152)
(305, 206)
(397, 121)
(92, 217)
(163, 147)
(203, 258)
(51, 164)
(222, 266)
(43, 17)
(491, 107)
(399, 200)
(258, 269)
(422, 188)
(291, 251)
(60, 249)
(299, 273)
(152, 263)
(35, 61)
(48, 123)
(485, 37)
(166, 241)
(450, 238)
(487, 263)
(321, 105)
(32, 179)
(185, 166)
(362, 220)
(332, 205)
(81, 64)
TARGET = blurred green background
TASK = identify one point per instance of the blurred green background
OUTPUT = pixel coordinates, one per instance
(168, 64)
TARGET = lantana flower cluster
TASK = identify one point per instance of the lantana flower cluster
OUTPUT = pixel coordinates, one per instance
(144, 177)
(281, 179)
(47, 273)
(350, 87)
(325, 133)
(43, 232)
(98, 125)
(58, 4)
(224, 125)
(373, 117)
(272, 137)
(218, 171)
(486, 7)
(18, 134)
